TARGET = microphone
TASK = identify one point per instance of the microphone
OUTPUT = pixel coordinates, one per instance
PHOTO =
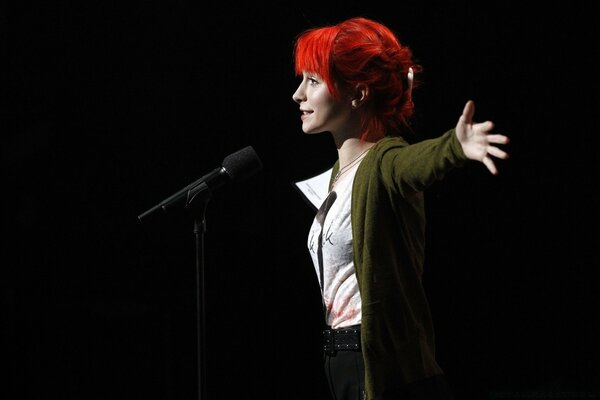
(235, 167)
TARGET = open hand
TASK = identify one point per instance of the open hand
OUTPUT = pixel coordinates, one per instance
(477, 141)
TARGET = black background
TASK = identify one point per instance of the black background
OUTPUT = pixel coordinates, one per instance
(109, 107)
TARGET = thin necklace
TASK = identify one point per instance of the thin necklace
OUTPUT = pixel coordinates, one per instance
(348, 166)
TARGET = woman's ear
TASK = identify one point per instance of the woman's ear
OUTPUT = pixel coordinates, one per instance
(361, 94)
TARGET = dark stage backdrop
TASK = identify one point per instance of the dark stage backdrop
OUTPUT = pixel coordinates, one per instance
(109, 107)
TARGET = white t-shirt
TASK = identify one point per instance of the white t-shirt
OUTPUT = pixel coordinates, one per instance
(330, 246)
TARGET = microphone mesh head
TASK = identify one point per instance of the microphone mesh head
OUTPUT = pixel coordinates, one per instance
(242, 164)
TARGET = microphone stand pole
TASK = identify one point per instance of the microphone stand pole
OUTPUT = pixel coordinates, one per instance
(199, 231)
(197, 203)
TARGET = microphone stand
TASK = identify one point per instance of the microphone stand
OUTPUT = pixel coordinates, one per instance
(238, 166)
(196, 197)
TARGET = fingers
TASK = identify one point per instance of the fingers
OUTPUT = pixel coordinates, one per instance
(485, 127)
(469, 111)
(497, 138)
(487, 161)
(496, 152)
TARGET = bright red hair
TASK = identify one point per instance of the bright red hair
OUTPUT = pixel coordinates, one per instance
(362, 51)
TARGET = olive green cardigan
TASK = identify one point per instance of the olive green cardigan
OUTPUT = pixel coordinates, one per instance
(388, 224)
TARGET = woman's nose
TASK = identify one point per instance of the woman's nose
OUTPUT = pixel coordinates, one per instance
(298, 95)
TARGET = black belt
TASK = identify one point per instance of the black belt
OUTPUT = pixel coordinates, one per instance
(341, 339)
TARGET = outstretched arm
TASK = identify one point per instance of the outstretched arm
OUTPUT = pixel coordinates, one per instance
(476, 140)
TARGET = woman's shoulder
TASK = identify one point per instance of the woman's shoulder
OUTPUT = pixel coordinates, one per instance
(390, 142)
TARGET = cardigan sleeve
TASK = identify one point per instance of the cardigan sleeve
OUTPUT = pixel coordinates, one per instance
(415, 167)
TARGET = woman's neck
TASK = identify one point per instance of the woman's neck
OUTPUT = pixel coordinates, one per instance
(352, 149)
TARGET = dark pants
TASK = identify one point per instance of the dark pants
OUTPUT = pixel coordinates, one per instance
(345, 374)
